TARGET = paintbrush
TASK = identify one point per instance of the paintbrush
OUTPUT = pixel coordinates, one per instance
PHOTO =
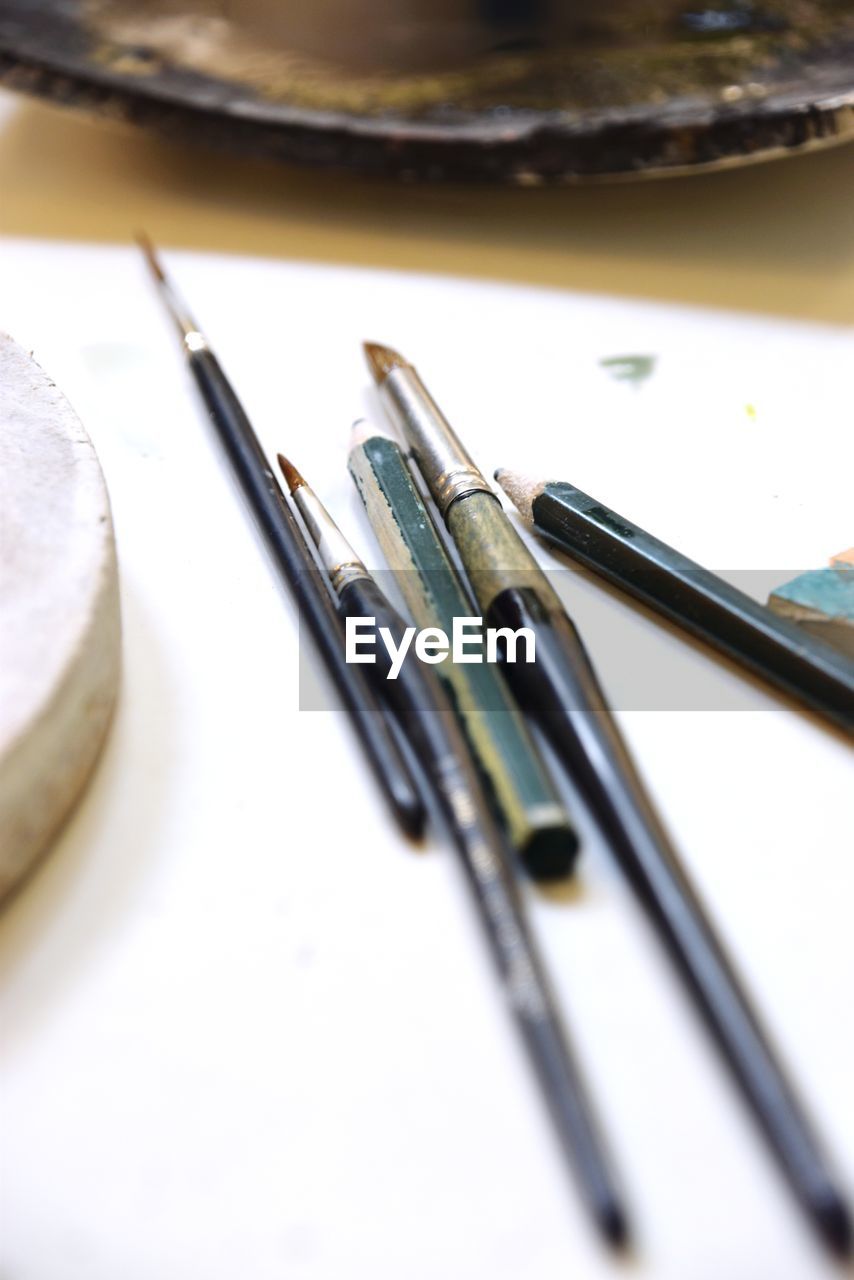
(702, 603)
(292, 557)
(560, 690)
(527, 802)
(418, 699)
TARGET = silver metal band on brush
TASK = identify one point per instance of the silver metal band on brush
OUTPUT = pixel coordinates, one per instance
(334, 551)
(446, 467)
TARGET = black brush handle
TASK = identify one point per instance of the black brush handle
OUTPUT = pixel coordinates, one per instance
(771, 647)
(296, 565)
(561, 691)
(421, 704)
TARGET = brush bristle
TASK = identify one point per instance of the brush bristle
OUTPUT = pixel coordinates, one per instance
(293, 478)
(151, 258)
(382, 360)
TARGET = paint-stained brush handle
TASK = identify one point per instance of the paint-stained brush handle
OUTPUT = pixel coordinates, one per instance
(525, 796)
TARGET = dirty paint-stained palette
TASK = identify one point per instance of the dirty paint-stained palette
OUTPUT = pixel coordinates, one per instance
(503, 90)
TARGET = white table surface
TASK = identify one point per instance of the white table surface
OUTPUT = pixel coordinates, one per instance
(246, 1032)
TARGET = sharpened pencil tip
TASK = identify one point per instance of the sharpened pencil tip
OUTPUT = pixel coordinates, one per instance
(382, 360)
(521, 491)
(292, 476)
(363, 430)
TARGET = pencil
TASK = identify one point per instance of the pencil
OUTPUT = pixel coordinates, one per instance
(527, 802)
(417, 697)
(293, 558)
(768, 646)
(561, 691)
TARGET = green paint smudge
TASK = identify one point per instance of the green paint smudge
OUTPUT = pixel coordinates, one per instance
(633, 369)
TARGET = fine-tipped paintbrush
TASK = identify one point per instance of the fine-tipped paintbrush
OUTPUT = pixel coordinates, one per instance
(704, 604)
(527, 802)
(561, 691)
(292, 557)
(418, 699)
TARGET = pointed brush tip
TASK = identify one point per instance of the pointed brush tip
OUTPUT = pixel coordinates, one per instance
(292, 476)
(382, 360)
(146, 245)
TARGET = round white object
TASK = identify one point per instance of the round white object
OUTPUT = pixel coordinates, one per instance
(59, 611)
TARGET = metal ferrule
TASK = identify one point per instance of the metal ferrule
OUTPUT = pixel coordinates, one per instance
(191, 334)
(446, 467)
(195, 341)
(334, 551)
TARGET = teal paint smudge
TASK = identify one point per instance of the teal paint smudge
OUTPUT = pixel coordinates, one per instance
(633, 369)
(828, 591)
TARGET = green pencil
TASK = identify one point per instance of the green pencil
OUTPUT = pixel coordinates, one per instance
(525, 797)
